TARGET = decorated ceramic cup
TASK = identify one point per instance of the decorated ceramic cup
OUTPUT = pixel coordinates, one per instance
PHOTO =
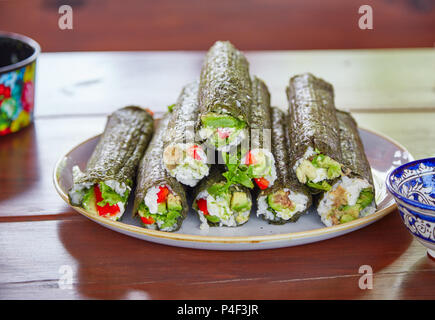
(413, 187)
(17, 81)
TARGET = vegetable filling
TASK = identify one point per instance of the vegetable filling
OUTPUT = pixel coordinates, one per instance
(349, 199)
(316, 169)
(222, 130)
(103, 200)
(160, 209)
(229, 208)
(262, 164)
(282, 203)
(186, 162)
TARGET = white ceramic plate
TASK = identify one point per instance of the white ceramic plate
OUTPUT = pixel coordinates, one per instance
(383, 153)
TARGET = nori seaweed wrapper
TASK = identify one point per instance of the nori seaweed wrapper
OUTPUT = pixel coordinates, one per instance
(213, 178)
(260, 118)
(286, 178)
(152, 173)
(120, 148)
(353, 155)
(183, 117)
(225, 83)
(312, 117)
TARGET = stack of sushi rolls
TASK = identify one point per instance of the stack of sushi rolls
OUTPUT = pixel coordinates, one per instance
(287, 162)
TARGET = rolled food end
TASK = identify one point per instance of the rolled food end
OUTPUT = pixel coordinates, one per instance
(222, 131)
(349, 198)
(230, 208)
(282, 205)
(161, 209)
(107, 199)
(261, 164)
(317, 170)
(186, 162)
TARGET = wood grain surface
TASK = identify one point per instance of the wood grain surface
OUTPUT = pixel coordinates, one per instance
(40, 235)
(193, 24)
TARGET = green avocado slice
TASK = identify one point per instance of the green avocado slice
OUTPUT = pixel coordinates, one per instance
(240, 202)
(214, 120)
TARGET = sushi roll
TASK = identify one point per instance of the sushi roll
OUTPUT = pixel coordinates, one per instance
(287, 199)
(353, 195)
(259, 160)
(314, 132)
(183, 157)
(220, 204)
(160, 200)
(224, 97)
(105, 185)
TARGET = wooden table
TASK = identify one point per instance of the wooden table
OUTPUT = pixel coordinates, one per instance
(41, 238)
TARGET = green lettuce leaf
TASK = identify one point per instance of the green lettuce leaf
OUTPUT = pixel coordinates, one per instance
(213, 219)
(110, 196)
(325, 186)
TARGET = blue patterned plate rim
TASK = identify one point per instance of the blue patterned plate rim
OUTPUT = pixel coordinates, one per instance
(401, 197)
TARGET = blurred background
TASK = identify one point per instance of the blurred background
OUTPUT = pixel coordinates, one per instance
(118, 25)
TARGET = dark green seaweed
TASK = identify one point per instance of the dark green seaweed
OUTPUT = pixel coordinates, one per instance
(225, 84)
(352, 148)
(286, 178)
(152, 172)
(260, 118)
(120, 148)
(184, 116)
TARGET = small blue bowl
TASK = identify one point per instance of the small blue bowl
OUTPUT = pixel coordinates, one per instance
(413, 187)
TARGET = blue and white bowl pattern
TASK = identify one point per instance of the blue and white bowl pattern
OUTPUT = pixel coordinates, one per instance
(413, 187)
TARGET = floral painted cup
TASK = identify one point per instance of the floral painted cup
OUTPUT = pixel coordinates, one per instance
(17, 81)
(413, 187)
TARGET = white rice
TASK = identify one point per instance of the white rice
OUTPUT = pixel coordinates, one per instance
(308, 153)
(151, 199)
(118, 187)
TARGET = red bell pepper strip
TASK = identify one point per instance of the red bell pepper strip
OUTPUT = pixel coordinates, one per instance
(107, 209)
(149, 220)
(162, 194)
(262, 183)
(202, 205)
